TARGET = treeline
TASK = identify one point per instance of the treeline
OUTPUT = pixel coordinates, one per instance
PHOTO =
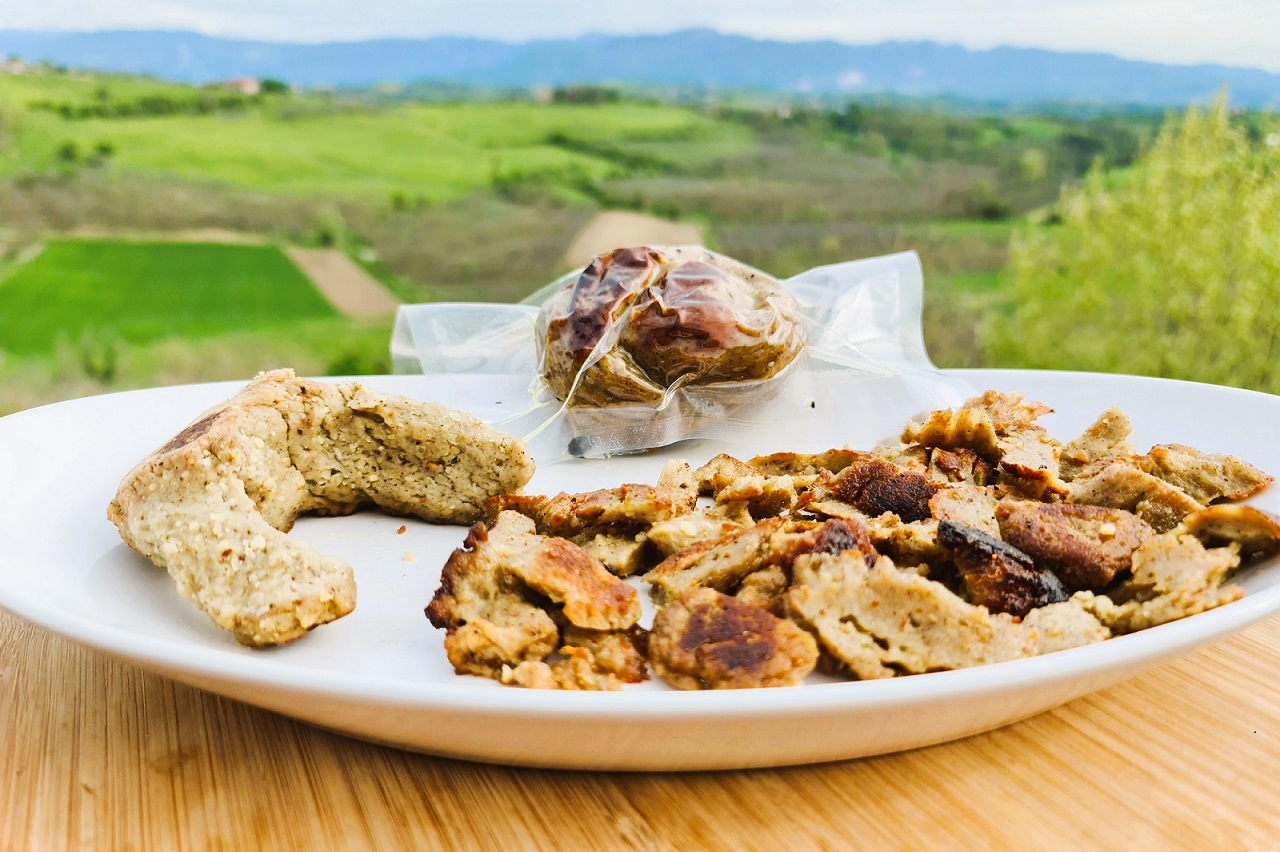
(203, 102)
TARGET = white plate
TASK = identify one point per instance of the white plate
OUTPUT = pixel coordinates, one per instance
(381, 674)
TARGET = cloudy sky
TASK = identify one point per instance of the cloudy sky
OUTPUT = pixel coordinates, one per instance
(1231, 32)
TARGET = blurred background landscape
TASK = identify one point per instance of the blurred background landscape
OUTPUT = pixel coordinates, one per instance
(176, 207)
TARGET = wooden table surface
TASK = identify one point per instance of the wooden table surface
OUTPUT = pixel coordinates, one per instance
(98, 754)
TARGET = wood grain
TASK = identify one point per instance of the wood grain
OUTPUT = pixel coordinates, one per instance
(98, 754)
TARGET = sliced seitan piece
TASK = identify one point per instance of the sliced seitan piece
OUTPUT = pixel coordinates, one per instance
(997, 575)
(1118, 484)
(882, 621)
(1255, 532)
(707, 640)
(1205, 477)
(1173, 576)
(1108, 436)
(1085, 546)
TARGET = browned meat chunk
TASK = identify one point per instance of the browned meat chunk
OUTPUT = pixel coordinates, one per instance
(609, 523)
(876, 486)
(725, 565)
(1086, 546)
(491, 588)
(882, 621)
(960, 465)
(1255, 532)
(996, 575)
(1108, 436)
(967, 505)
(1205, 477)
(806, 464)
(677, 534)
(706, 640)
(1173, 576)
(1120, 485)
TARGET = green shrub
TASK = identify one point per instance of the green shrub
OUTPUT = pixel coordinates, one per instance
(1170, 268)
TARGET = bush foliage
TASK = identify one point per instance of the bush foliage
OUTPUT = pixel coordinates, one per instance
(1171, 268)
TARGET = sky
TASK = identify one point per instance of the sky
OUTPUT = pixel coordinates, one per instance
(1230, 32)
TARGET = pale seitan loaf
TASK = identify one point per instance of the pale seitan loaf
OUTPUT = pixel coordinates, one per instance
(212, 505)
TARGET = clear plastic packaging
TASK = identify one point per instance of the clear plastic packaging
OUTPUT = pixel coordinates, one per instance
(858, 365)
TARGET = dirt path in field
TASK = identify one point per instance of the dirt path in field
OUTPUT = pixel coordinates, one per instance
(616, 228)
(341, 280)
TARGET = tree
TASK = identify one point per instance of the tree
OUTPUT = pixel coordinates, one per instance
(1169, 268)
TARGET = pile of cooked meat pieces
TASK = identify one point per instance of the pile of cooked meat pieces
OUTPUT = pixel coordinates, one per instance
(979, 538)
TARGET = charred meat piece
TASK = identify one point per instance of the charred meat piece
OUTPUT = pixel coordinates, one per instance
(1255, 532)
(997, 575)
(960, 465)
(1085, 546)
(707, 640)
(875, 487)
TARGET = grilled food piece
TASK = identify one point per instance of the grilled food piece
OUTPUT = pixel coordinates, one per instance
(997, 575)
(1085, 546)
(708, 640)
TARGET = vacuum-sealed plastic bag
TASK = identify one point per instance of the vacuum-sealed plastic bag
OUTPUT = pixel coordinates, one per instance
(649, 346)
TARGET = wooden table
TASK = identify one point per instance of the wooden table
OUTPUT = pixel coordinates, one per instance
(98, 754)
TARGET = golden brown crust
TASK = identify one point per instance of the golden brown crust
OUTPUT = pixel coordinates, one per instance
(1086, 546)
(707, 640)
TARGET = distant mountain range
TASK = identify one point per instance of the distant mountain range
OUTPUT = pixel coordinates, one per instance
(689, 58)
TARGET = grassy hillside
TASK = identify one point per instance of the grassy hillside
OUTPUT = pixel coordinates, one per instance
(142, 292)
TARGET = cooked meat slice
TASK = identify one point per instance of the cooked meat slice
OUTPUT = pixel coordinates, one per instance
(576, 669)
(875, 487)
(881, 621)
(608, 523)
(997, 575)
(760, 496)
(960, 465)
(680, 533)
(913, 458)
(489, 620)
(1030, 457)
(484, 601)
(720, 472)
(908, 544)
(967, 505)
(620, 653)
(1120, 485)
(1257, 533)
(623, 554)
(1205, 477)
(720, 565)
(806, 464)
(1086, 546)
(764, 588)
(707, 640)
(966, 427)
(1108, 436)
(678, 474)
(725, 565)
(1173, 576)
(1064, 625)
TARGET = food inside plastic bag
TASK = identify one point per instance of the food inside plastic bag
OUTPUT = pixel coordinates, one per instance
(650, 346)
(640, 321)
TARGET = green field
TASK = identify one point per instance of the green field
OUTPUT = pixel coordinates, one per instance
(141, 292)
